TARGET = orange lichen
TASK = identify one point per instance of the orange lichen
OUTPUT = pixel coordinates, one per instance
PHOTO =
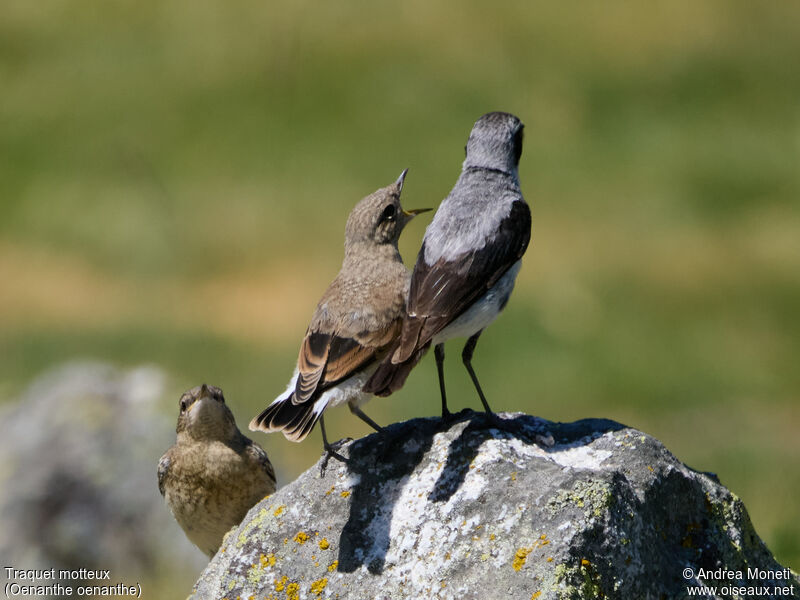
(520, 557)
(324, 544)
(514, 476)
(328, 493)
(333, 566)
(585, 563)
(318, 586)
(279, 510)
(280, 583)
(535, 595)
(301, 537)
(293, 591)
(345, 494)
(267, 560)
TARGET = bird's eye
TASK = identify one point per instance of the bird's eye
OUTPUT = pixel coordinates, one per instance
(389, 213)
(184, 404)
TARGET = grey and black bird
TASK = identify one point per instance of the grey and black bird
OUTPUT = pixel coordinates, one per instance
(355, 323)
(469, 260)
(213, 474)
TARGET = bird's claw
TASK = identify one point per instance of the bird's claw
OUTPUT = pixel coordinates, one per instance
(331, 451)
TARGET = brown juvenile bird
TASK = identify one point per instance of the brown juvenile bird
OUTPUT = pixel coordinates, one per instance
(356, 321)
(213, 474)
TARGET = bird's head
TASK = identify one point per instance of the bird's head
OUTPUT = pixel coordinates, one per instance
(379, 218)
(204, 416)
(495, 143)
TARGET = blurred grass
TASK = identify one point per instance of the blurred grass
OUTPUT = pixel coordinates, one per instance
(175, 178)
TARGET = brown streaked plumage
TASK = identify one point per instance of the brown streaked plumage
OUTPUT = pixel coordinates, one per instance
(213, 474)
(357, 319)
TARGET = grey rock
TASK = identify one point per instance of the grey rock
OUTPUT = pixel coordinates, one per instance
(591, 509)
(78, 488)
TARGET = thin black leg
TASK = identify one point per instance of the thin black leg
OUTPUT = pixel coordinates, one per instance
(330, 449)
(466, 356)
(438, 352)
(361, 415)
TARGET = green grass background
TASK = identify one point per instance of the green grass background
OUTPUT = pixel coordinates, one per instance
(175, 177)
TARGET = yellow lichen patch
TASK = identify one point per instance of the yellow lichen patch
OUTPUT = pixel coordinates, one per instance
(333, 566)
(549, 559)
(324, 544)
(267, 560)
(543, 536)
(279, 510)
(585, 563)
(345, 493)
(514, 476)
(535, 595)
(520, 557)
(318, 586)
(491, 537)
(280, 583)
(301, 537)
(652, 470)
(447, 556)
(285, 540)
(328, 493)
(293, 591)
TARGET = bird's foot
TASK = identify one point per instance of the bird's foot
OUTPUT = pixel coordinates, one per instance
(448, 419)
(331, 451)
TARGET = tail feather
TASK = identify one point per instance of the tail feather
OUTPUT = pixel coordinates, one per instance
(390, 376)
(409, 340)
(295, 421)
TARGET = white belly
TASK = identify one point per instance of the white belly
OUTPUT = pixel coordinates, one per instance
(483, 311)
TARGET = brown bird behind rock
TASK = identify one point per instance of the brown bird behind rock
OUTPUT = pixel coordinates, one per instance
(213, 474)
(358, 318)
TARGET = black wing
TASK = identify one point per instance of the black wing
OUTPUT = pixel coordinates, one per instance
(441, 292)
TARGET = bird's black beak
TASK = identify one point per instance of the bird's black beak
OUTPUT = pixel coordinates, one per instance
(400, 180)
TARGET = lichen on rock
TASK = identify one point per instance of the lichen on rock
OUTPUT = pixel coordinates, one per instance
(591, 509)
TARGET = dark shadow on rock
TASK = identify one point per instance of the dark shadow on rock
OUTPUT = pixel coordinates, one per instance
(365, 536)
(465, 448)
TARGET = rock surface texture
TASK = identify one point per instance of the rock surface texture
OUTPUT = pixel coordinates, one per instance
(591, 509)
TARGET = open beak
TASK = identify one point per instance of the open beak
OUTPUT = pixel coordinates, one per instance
(400, 180)
(415, 211)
